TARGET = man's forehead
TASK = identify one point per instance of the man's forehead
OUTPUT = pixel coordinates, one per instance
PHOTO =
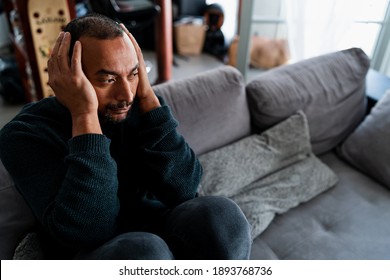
(116, 55)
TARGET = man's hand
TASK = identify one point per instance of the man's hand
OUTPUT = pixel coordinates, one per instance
(71, 86)
(145, 94)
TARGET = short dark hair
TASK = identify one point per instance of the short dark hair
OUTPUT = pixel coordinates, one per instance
(92, 25)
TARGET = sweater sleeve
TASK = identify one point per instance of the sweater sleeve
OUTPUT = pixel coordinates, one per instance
(174, 171)
(70, 187)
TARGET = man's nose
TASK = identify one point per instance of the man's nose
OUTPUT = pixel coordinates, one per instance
(124, 91)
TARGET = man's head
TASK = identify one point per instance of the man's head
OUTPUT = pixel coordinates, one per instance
(94, 26)
(109, 61)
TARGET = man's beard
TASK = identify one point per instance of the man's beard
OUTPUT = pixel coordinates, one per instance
(107, 117)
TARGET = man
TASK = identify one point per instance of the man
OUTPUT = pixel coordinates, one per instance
(102, 166)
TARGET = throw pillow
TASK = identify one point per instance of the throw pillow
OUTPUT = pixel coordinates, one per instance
(29, 248)
(269, 173)
(367, 148)
(328, 88)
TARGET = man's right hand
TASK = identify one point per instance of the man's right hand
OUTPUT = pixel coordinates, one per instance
(71, 86)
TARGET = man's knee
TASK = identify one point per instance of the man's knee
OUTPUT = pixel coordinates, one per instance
(225, 216)
(214, 225)
(229, 227)
(220, 211)
(132, 246)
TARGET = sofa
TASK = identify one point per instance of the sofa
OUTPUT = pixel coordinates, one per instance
(297, 148)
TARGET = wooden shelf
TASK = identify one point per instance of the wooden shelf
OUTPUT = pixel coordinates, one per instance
(34, 26)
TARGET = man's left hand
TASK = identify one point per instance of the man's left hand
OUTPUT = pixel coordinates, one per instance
(147, 99)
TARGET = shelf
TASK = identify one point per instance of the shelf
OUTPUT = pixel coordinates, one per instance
(34, 26)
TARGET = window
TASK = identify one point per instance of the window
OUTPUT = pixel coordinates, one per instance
(368, 18)
(313, 28)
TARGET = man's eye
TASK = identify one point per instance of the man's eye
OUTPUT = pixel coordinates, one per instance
(132, 75)
(107, 80)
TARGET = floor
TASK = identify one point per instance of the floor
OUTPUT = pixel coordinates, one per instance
(183, 67)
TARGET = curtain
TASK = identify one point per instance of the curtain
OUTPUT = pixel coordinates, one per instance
(316, 27)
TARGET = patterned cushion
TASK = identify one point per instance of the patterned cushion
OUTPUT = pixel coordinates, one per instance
(267, 174)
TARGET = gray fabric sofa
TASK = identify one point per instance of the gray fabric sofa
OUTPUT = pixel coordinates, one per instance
(296, 148)
(349, 220)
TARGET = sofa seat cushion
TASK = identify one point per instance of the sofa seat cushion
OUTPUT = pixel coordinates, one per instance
(349, 221)
(211, 107)
(368, 147)
(268, 173)
(328, 88)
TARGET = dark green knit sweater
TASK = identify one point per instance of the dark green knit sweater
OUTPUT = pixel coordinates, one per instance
(87, 189)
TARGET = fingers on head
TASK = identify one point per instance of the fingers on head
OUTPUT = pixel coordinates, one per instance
(132, 39)
(57, 44)
(63, 49)
(54, 50)
(76, 57)
(60, 53)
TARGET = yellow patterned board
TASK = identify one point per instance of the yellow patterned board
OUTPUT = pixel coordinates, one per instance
(47, 19)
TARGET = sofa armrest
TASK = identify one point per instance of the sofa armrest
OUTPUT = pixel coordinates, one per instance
(376, 86)
(16, 218)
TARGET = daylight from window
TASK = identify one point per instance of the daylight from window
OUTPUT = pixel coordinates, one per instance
(313, 27)
(317, 27)
(368, 18)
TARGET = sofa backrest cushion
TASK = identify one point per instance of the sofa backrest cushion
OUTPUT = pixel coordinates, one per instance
(211, 107)
(367, 148)
(330, 89)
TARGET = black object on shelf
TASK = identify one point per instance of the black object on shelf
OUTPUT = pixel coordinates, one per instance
(185, 8)
(11, 88)
(138, 16)
(215, 39)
